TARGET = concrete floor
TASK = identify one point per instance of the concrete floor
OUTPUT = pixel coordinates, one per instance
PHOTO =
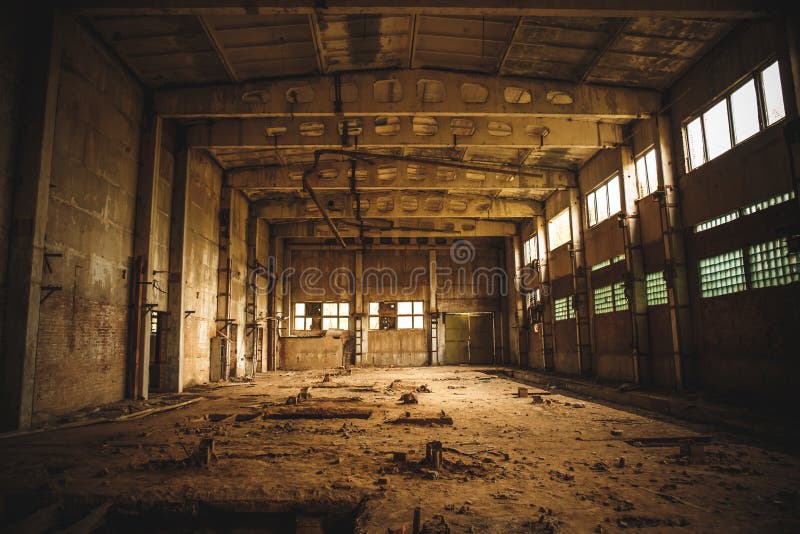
(510, 465)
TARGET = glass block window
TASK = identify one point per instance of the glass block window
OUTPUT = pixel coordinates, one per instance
(620, 302)
(598, 266)
(647, 173)
(564, 309)
(716, 221)
(558, 230)
(722, 274)
(709, 133)
(529, 251)
(603, 300)
(764, 204)
(656, 288)
(396, 315)
(617, 259)
(769, 264)
(604, 201)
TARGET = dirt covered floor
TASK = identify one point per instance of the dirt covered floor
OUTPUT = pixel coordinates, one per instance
(350, 456)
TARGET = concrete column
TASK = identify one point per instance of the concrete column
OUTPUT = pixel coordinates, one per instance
(545, 293)
(29, 219)
(635, 290)
(580, 285)
(791, 94)
(513, 307)
(674, 251)
(176, 316)
(144, 247)
(433, 346)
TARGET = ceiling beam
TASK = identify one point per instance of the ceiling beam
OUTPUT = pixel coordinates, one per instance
(208, 28)
(311, 96)
(542, 8)
(396, 205)
(399, 228)
(316, 37)
(508, 132)
(610, 42)
(386, 174)
(507, 50)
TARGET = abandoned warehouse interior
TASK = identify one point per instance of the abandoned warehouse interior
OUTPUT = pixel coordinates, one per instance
(349, 266)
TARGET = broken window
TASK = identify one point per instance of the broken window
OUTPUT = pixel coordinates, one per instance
(558, 230)
(603, 201)
(529, 251)
(737, 117)
(400, 315)
(321, 315)
(646, 173)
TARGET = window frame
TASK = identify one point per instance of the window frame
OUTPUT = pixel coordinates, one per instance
(530, 253)
(308, 320)
(756, 76)
(417, 314)
(593, 195)
(549, 225)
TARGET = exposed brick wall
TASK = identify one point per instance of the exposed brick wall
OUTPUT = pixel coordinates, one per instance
(202, 250)
(83, 327)
(10, 64)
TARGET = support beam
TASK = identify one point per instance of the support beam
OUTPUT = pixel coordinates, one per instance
(580, 284)
(144, 248)
(418, 131)
(386, 174)
(399, 93)
(398, 204)
(635, 290)
(399, 228)
(29, 220)
(563, 8)
(514, 307)
(208, 28)
(546, 294)
(674, 252)
(176, 308)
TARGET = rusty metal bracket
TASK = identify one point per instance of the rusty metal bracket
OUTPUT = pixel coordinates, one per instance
(50, 290)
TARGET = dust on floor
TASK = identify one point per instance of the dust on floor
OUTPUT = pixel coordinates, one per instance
(536, 462)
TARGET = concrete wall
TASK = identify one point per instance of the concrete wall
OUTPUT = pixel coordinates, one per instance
(11, 63)
(202, 251)
(83, 327)
(744, 341)
(238, 254)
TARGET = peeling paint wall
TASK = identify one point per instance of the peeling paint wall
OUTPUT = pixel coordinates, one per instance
(202, 251)
(83, 327)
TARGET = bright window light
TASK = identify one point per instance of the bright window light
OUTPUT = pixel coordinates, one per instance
(694, 136)
(773, 94)
(558, 230)
(717, 129)
(744, 111)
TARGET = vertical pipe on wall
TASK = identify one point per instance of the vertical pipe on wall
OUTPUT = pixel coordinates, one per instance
(580, 286)
(635, 290)
(674, 251)
(545, 293)
(361, 317)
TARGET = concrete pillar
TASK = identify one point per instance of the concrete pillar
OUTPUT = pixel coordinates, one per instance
(513, 300)
(674, 251)
(29, 218)
(545, 293)
(635, 289)
(144, 248)
(791, 97)
(176, 316)
(580, 285)
(433, 311)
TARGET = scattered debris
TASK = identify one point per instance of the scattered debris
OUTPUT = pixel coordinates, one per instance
(317, 413)
(409, 398)
(293, 400)
(433, 454)
(621, 462)
(423, 389)
(537, 399)
(522, 392)
(422, 421)
(435, 525)
(241, 417)
(616, 432)
(206, 451)
(399, 457)
(217, 417)
(694, 452)
(326, 378)
(305, 393)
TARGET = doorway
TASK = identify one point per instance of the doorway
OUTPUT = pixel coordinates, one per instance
(469, 338)
(156, 359)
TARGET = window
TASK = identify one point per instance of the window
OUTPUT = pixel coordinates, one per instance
(722, 274)
(610, 298)
(558, 230)
(717, 129)
(563, 309)
(602, 264)
(744, 111)
(402, 315)
(529, 251)
(742, 212)
(647, 173)
(321, 315)
(773, 94)
(604, 201)
(769, 264)
(617, 259)
(710, 134)
(656, 288)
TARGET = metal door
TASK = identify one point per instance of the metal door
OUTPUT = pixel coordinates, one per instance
(469, 338)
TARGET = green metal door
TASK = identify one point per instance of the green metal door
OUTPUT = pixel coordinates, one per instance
(456, 339)
(469, 338)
